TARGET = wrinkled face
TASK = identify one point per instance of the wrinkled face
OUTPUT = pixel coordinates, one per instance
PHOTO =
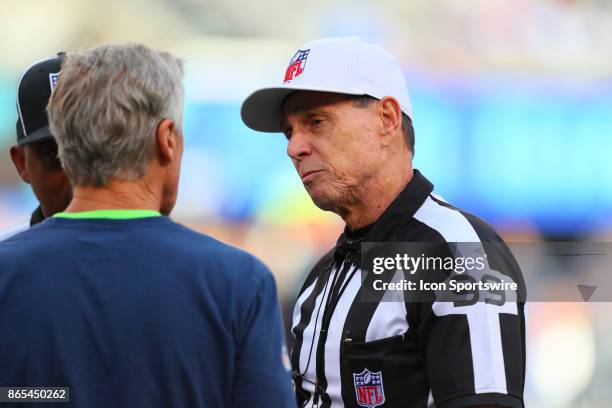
(38, 164)
(333, 144)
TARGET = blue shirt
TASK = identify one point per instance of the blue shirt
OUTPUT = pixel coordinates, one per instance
(139, 313)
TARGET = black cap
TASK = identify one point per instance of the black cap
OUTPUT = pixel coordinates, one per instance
(33, 93)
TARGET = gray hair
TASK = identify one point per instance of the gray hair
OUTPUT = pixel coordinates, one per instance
(363, 101)
(106, 107)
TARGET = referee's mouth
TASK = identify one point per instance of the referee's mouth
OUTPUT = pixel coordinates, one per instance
(309, 175)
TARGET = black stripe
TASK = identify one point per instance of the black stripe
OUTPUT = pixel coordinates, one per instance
(443, 203)
(501, 259)
(514, 351)
(357, 321)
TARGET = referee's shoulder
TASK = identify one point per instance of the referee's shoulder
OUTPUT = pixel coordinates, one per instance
(445, 222)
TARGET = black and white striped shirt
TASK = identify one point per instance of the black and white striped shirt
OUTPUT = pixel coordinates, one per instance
(407, 354)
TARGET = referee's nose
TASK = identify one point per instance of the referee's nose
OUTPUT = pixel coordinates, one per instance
(299, 144)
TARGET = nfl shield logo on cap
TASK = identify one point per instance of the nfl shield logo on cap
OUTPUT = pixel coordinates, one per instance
(53, 80)
(296, 65)
(33, 92)
(369, 388)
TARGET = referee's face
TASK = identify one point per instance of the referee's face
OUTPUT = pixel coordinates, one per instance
(38, 165)
(333, 145)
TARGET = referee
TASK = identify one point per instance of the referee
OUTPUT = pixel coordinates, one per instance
(345, 110)
(35, 155)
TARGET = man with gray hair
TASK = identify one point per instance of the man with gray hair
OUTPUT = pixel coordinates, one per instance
(113, 299)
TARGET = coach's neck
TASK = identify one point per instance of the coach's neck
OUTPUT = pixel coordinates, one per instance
(117, 194)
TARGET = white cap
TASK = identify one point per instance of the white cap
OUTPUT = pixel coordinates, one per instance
(346, 65)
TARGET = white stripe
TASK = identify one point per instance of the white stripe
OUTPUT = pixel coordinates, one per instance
(483, 318)
(451, 224)
(430, 401)
(485, 342)
(453, 227)
(389, 319)
(297, 310)
(334, 338)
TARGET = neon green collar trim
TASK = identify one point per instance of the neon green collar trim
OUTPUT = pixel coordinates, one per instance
(109, 214)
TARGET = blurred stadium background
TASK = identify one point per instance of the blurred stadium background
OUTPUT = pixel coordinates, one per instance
(513, 119)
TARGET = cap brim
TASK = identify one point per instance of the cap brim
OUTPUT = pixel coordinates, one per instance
(39, 135)
(262, 110)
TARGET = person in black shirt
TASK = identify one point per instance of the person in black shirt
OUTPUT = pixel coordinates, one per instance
(35, 155)
(345, 110)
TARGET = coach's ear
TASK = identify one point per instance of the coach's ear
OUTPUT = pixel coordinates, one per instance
(19, 160)
(168, 143)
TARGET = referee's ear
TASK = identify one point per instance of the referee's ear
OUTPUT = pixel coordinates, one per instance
(19, 160)
(390, 118)
(168, 143)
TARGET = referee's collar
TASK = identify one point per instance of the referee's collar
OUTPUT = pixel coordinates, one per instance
(403, 207)
(37, 216)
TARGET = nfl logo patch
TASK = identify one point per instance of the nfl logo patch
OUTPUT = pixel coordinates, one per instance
(369, 388)
(53, 80)
(296, 65)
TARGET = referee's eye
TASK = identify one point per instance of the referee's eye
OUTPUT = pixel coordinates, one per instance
(316, 122)
(48, 155)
